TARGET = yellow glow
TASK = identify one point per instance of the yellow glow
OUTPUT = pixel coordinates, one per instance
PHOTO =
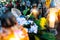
(52, 17)
(14, 39)
(34, 11)
(52, 20)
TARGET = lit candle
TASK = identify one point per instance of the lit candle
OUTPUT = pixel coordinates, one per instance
(52, 17)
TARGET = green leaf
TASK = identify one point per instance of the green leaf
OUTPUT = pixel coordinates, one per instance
(36, 38)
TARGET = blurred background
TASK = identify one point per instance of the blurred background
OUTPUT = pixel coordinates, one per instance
(40, 18)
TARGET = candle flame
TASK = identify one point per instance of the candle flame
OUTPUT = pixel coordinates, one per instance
(52, 17)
